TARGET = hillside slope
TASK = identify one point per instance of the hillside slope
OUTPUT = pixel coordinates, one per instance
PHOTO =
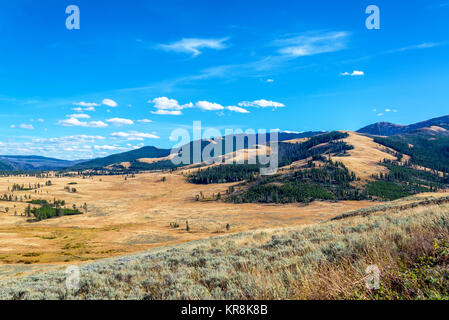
(364, 159)
(425, 147)
(390, 129)
(145, 152)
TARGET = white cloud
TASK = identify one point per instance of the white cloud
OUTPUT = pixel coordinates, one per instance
(120, 121)
(237, 109)
(295, 132)
(380, 114)
(78, 147)
(134, 135)
(387, 110)
(97, 124)
(168, 106)
(167, 112)
(74, 122)
(86, 104)
(41, 120)
(88, 108)
(313, 43)
(354, 73)
(12, 126)
(193, 45)
(209, 106)
(262, 104)
(425, 45)
(110, 103)
(79, 116)
(71, 140)
(270, 80)
(26, 126)
(106, 147)
(164, 103)
(144, 121)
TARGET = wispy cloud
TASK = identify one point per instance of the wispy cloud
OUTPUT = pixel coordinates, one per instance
(425, 45)
(167, 112)
(80, 109)
(144, 121)
(262, 104)
(79, 116)
(135, 135)
(86, 104)
(439, 5)
(26, 126)
(194, 46)
(107, 147)
(312, 43)
(74, 122)
(237, 109)
(120, 121)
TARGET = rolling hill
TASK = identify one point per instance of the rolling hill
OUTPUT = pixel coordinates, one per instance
(144, 152)
(153, 158)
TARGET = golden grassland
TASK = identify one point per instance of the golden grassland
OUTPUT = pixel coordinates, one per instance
(364, 159)
(134, 214)
(327, 260)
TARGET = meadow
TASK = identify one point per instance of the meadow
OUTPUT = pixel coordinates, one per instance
(129, 214)
(327, 260)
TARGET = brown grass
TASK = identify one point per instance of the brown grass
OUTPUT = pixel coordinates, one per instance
(364, 159)
(322, 261)
(127, 216)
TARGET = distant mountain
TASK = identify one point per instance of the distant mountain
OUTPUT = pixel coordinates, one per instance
(33, 163)
(145, 152)
(390, 129)
(151, 152)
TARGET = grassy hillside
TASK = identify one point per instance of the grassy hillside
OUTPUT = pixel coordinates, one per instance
(321, 178)
(425, 150)
(325, 261)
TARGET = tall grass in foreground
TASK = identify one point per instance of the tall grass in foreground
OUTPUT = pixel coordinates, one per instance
(324, 261)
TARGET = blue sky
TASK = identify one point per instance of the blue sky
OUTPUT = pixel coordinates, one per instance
(137, 70)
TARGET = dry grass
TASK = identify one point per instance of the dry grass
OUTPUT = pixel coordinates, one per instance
(127, 216)
(364, 159)
(323, 261)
